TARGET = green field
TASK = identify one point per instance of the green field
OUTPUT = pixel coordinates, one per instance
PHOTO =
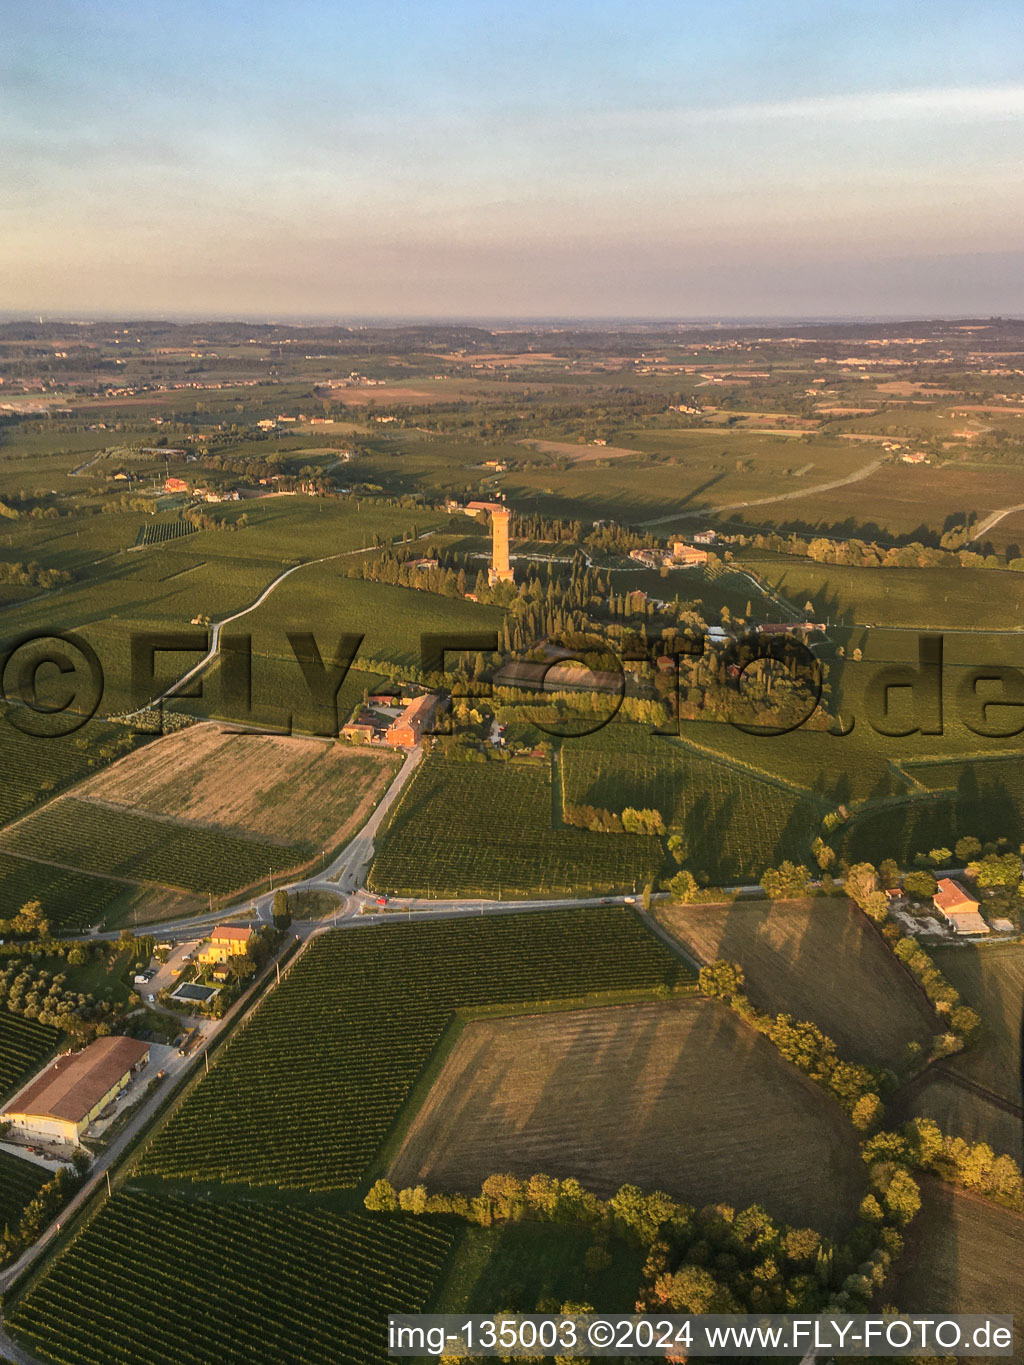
(685, 471)
(304, 1095)
(24, 1046)
(165, 1281)
(37, 767)
(70, 900)
(488, 829)
(924, 599)
(93, 838)
(20, 1182)
(734, 823)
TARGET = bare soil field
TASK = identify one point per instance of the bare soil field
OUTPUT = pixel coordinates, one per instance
(577, 453)
(678, 1096)
(280, 789)
(963, 1255)
(963, 1113)
(991, 980)
(816, 960)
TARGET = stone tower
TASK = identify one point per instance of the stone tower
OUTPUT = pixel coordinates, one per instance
(500, 570)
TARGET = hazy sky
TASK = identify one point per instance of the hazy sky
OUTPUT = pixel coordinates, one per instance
(527, 157)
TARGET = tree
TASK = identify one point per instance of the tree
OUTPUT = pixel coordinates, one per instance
(684, 888)
(381, 1197)
(902, 1198)
(282, 914)
(824, 856)
(786, 881)
(920, 884)
(967, 848)
(867, 1111)
(860, 882)
(721, 979)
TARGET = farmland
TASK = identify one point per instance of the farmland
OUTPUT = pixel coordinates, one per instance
(20, 1182)
(24, 1046)
(963, 1256)
(817, 960)
(966, 1114)
(168, 1281)
(36, 767)
(733, 822)
(661, 1095)
(975, 599)
(991, 980)
(70, 900)
(288, 791)
(139, 848)
(304, 1095)
(465, 829)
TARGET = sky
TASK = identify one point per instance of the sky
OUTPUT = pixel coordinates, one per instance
(466, 158)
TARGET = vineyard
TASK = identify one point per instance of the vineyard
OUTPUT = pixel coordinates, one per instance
(168, 1281)
(37, 767)
(70, 900)
(306, 1092)
(20, 1182)
(734, 824)
(488, 829)
(159, 532)
(98, 838)
(24, 1046)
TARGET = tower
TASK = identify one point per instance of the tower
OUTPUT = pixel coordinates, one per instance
(500, 570)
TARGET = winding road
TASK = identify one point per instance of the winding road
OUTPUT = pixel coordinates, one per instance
(855, 477)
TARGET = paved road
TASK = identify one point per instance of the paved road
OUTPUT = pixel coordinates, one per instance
(227, 621)
(178, 1070)
(764, 502)
(993, 519)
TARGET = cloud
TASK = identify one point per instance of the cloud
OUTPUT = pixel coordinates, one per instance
(968, 103)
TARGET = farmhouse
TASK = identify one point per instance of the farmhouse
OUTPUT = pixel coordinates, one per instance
(175, 485)
(958, 909)
(62, 1101)
(227, 940)
(407, 731)
(688, 555)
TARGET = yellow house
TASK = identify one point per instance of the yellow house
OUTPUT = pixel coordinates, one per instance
(227, 940)
(62, 1101)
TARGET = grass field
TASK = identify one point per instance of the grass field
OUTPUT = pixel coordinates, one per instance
(516, 1265)
(734, 823)
(991, 979)
(165, 1281)
(489, 829)
(816, 960)
(20, 1182)
(304, 1095)
(963, 1256)
(974, 599)
(663, 1096)
(288, 791)
(899, 500)
(24, 1046)
(685, 470)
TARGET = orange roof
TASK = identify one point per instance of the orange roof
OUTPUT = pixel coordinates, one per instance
(76, 1082)
(232, 933)
(951, 898)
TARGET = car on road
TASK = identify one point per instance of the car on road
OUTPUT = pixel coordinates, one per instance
(381, 900)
